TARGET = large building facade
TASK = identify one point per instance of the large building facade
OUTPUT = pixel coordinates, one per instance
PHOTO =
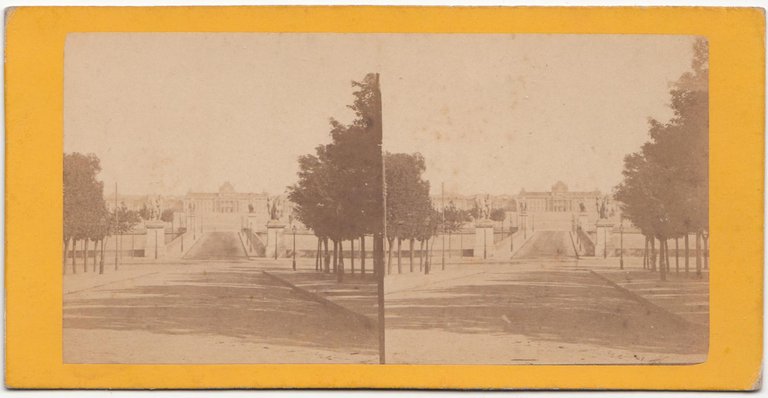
(225, 201)
(229, 209)
(559, 200)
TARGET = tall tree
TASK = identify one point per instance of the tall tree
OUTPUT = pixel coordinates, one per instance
(83, 199)
(339, 192)
(666, 183)
(407, 197)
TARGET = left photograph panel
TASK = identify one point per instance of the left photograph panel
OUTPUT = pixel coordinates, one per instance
(222, 200)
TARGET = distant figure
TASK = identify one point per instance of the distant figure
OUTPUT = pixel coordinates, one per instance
(582, 208)
(250, 207)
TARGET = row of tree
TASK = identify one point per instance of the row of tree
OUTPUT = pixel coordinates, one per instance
(86, 218)
(339, 188)
(665, 191)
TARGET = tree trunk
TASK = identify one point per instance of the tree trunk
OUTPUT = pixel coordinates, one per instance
(389, 255)
(335, 256)
(653, 254)
(698, 254)
(362, 256)
(74, 250)
(677, 256)
(340, 269)
(327, 256)
(705, 253)
(426, 257)
(645, 254)
(430, 246)
(66, 253)
(85, 255)
(666, 253)
(399, 266)
(421, 255)
(686, 253)
(95, 246)
(352, 256)
(317, 253)
(410, 253)
(101, 260)
(662, 267)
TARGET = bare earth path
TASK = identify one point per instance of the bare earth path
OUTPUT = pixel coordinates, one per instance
(218, 311)
(532, 311)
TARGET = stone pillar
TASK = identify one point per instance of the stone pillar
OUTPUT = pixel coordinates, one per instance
(484, 247)
(275, 239)
(523, 227)
(154, 248)
(603, 228)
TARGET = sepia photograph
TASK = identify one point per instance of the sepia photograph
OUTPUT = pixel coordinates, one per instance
(208, 181)
(385, 198)
(547, 201)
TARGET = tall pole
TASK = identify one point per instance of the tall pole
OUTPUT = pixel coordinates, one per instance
(117, 225)
(621, 243)
(381, 230)
(294, 247)
(442, 222)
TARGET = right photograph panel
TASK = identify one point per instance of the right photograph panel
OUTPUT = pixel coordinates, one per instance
(546, 199)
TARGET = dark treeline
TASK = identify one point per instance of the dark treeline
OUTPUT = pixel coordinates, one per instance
(665, 191)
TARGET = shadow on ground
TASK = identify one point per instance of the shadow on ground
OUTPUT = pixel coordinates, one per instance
(232, 301)
(569, 306)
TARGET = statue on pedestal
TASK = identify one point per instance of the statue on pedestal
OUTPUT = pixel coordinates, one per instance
(274, 208)
(601, 210)
(158, 209)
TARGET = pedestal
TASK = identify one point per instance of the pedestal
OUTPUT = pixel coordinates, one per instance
(154, 247)
(275, 240)
(483, 239)
(603, 228)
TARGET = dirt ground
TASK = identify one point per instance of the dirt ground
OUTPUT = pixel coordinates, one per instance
(531, 311)
(203, 312)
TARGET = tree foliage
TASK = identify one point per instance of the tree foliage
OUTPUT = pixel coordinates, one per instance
(455, 218)
(408, 202)
(84, 207)
(665, 191)
(339, 188)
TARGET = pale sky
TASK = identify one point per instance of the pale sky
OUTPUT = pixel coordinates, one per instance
(172, 112)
